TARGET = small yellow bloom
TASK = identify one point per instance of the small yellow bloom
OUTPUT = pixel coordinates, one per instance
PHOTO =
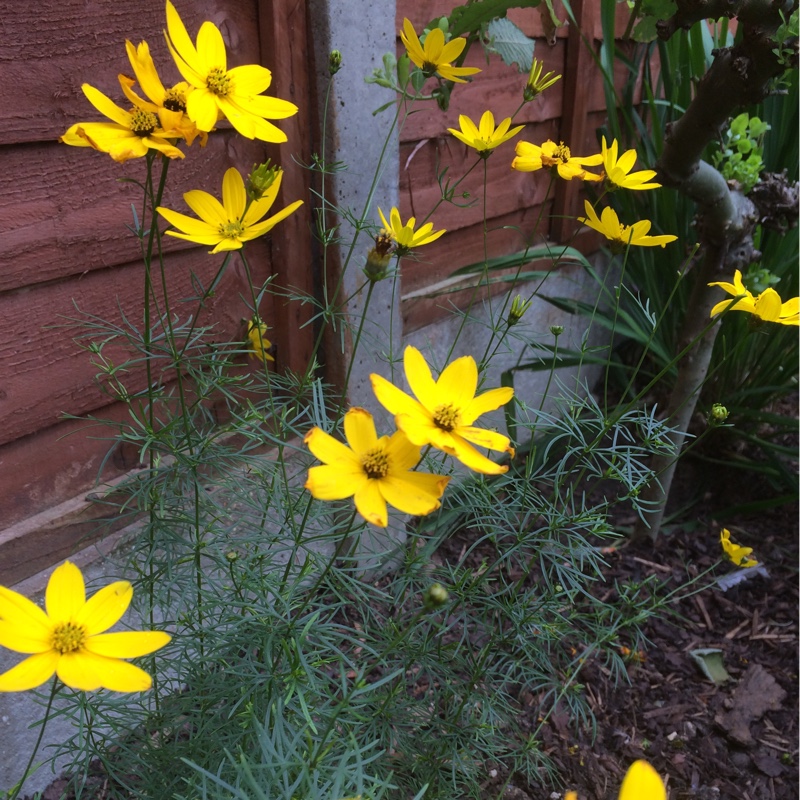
(217, 91)
(557, 158)
(641, 782)
(487, 137)
(257, 336)
(130, 134)
(622, 235)
(617, 169)
(767, 306)
(537, 82)
(68, 639)
(227, 225)
(404, 235)
(371, 470)
(436, 56)
(736, 553)
(445, 410)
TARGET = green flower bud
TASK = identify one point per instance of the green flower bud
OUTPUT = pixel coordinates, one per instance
(379, 257)
(718, 414)
(334, 61)
(435, 596)
(556, 330)
(260, 179)
(517, 310)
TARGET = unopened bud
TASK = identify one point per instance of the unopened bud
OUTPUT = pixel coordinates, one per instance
(260, 179)
(517, 310)
(379, 257)
(334, 61)
(435, 596)
(232, 556)
(718, 414)
(556, 330)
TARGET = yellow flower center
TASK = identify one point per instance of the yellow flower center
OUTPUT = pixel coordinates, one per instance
(219, 82)
(375, 463)
(561, 155)
(174, 100)
(446, 417)
(143, 123)
(68, 637)
(232, 229)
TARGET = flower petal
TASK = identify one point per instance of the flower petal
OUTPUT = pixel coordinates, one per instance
(458, 382)
(234, 197)
(768, 305)
(190, 226)
(211, 47)
(420, 380)
(105, 608)
(86, 671)
(65, 594)
(250, 79)
(491, 440)
(330, 482)
(370, 503)
(403, 454)
(24, 627)
(395, 400)
(415, 493)
(126, 644)
(471, 458)
(107, 107)
(488, 401)
(30, 673)
(359, 430)
(642, 782)
(331, 451)
(202, 108)
(207, 207)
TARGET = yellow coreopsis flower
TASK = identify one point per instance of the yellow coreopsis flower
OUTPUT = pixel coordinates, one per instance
(435, 56)
(371, 470)
(236, 94)
(486, 137)
(617, 170)
(621, 236)
(766, 306)
(405, 235)
(68, 638)
(557, 158)
(641, 782)
(537, 82)
(735, 552)
(227, 225)
(444, 410)
(168, 104)
(257, 336)
(130, 134)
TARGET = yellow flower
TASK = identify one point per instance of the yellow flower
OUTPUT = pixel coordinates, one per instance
(445, 410)
(259, 344)
(168, 104)
(622, 235)
(130, 134)
(766, 306)
(217, 91)
(617, 169)
(641, 782)
(736, 553)
(435, 55)
(487, 137)
(374, 471)
(404, 235)
(68, 639)
(557, 158)
(229, 224)
(537, 82)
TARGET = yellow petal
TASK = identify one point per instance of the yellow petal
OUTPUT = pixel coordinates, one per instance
(267, 225)
(30, 673)
(186, 55)
(24, 627)
(207, 207)
(488, 401)
(471, 458)
(491, 440)
(403, 454)
(359, 430)
(105, 608)
(458, 382)
(434, 44)
(211, 47)
(420, 380)
(190, 225)
(107, 107)
(126, 644)
(201, 107)
(252, 79)
(768, 305)
(370, 503)
(334, 482)
(415, 493)
(86, 671)
(330, 450)
(65, 594)
(395, 400)
(234, 197)
(642, 782)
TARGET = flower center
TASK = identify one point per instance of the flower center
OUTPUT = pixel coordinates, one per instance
(446, 417)
(231, 229)
(68, 637)
(143, 123)
(219, 82)
(375, 463)
(174, 100)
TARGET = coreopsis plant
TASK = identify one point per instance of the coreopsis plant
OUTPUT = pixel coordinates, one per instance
(736, 553)
(436, 56)
(404, 235)
(231, 223)
(485, 137)
(621, 236)
(617, 171)
(767, 306)
(68, 639)
(557, 158)
(444, 410)
(373, 471)
(216, 91)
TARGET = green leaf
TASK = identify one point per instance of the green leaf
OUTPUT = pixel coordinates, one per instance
(472, 17)
(510, 43)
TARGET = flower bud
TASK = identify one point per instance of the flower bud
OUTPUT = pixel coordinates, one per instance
(537, 82)
(334, 61)
(435, 596)
(718, 414)
(517, 310)
(260, 179)
(556, 330)
(378, 258)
